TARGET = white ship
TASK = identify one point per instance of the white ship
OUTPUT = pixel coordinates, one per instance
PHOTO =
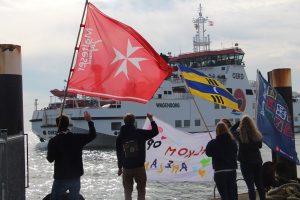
(171, 103)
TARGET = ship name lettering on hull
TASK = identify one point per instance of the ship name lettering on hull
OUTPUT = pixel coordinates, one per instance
(168, 105)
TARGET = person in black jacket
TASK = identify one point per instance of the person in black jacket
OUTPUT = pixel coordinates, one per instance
(131, 154)
(250, 141)
(223, 150)
(65, 149)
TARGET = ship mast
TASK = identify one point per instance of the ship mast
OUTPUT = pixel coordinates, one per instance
(201, 42)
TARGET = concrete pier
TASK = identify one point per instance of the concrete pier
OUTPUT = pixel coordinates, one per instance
(12, 155)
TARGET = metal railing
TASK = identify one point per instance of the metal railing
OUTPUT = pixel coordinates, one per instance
(239, 179)
(3, 158)
(27, 161)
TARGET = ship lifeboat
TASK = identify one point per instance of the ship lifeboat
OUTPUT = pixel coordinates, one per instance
(61, 93)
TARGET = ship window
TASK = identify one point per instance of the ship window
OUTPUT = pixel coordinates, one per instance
(179, 90)
(177, 123)
(159, 96)
(217, 121)
(229, 90)
(223, 107)
(165, 92)
(186, 123)
(115, 126)
(217, 106)
(169, 92)
(223, 68)
(249, 92)
(197, 122)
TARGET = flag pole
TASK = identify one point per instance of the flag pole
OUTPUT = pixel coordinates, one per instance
(71, 67)
(257, 94)
(201, 116)
(73, 58)
(196, 106)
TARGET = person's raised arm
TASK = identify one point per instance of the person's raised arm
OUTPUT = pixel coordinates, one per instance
(154, 131)
(92, 130)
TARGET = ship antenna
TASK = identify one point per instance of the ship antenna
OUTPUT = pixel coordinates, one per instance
(201, 42)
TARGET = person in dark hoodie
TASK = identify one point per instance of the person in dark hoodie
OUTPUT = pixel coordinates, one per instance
(131, 154)
(223, 150)
(65, 149)
(250, 141)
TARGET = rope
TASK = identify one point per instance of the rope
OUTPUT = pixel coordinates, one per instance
(288, 191)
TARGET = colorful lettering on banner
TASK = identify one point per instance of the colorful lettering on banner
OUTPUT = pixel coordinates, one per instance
(174, 155)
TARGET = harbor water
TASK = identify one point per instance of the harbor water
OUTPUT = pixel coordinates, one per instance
(100, 181)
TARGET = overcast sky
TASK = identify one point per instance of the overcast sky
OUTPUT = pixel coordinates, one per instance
(268, 32)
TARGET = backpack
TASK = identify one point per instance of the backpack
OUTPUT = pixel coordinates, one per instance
(131, 148)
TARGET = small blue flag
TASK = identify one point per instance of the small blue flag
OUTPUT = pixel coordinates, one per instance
(274, 120)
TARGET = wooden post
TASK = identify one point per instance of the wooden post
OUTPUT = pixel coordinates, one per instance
(281, 81)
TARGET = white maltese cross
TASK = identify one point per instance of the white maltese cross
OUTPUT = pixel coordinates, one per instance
(135, 61)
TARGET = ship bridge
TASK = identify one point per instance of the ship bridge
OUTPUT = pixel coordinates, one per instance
(231, 56)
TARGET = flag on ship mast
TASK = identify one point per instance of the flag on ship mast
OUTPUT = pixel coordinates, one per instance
(274, 120)
(208, 88)
(115, 62)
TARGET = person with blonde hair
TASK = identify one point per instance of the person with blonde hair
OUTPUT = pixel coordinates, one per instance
(223, 150)
(250, 141)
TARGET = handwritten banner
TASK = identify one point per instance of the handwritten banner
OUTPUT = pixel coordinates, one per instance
(174, 155)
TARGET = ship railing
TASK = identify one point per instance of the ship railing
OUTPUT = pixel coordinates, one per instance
(175, 80)
(81, 102)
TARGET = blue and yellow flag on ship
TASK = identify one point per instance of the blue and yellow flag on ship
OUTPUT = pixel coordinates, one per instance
(208, 88)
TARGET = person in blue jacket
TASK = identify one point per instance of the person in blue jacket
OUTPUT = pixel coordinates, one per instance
(223, 150)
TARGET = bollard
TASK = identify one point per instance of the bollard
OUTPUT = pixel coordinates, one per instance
(280, 79)
(11, 102)
(11, 119)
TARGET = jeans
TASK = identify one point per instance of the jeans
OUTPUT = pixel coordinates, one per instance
(59, 187)
(252, 175)
(140, 177)
(226, 184)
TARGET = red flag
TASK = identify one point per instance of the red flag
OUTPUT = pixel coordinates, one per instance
(116, 62)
